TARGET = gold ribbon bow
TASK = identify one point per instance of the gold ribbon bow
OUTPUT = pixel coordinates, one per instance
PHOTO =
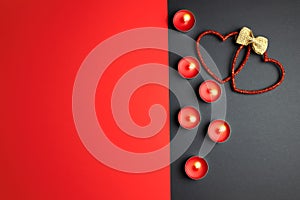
(259, 44)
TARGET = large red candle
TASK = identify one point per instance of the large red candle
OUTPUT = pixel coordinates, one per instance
(219, 131)
(210, 91)
(189, 117)
(188, 67)
(196, 168)
(184, 20)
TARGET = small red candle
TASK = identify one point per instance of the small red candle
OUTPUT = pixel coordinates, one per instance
(188, 67)
(196, 168)
(219, 131)
(189, 117)
(210, 91)
(184, 20)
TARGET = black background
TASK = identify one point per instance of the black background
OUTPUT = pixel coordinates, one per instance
(261, 159)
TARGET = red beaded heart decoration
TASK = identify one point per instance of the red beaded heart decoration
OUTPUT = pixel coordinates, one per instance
(246, 39)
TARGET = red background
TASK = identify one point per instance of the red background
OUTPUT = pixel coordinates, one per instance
(43, 44)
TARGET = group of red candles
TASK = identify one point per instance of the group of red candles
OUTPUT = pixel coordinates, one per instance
(209, 91)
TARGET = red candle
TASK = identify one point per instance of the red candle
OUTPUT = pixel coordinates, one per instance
(210, 91)
(219, 131)
(189, 117)
(196, 168)
(188, 67)
(184, 20)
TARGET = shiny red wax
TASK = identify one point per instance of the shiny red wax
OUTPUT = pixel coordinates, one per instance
(189, 117)
(184, 20)
(210, 91)
(219, 131)
(196, 168)
(188, 67)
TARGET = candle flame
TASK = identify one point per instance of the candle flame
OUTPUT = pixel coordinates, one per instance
(192, 66)
(213, 92)
(192, 119)
(197, 165)
(222, 129)
(186, 17)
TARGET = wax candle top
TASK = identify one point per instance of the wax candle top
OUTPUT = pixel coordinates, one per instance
(219, 131)
(184, 20)
(210, 91)
(189, 117)
(196, 168)
(188, 67)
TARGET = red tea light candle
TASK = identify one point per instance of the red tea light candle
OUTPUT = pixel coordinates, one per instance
(210, 91)
(184, 20)
(219, 131)
(196, 168)
(188, 67)
(189, 117)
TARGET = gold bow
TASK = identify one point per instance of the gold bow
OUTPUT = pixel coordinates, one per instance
(259, 44)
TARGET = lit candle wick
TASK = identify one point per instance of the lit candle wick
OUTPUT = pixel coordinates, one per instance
(221, 129)
(192, 118)
(186, 18)
(213, 92)
(197, 165)
(192, 66)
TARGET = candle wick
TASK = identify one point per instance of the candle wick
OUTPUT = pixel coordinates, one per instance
(186, 18)
(197, 165)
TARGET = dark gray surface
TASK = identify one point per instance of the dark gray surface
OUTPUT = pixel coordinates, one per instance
(262, 158)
